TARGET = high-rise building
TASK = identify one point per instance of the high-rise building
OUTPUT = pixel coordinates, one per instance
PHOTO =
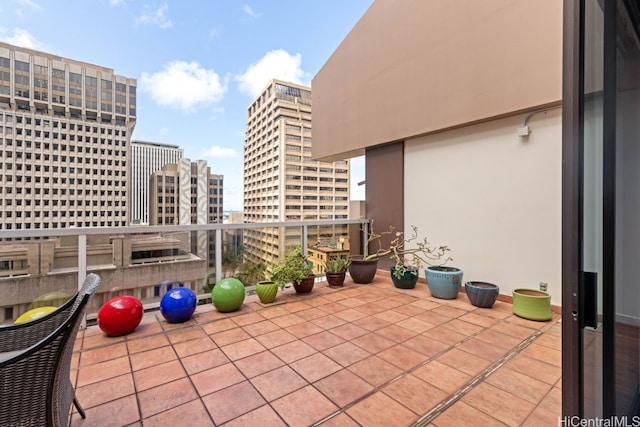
(147, 158)
(65, 128)
(281, 180)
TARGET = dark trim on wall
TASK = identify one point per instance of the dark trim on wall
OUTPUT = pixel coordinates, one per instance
(384, 192)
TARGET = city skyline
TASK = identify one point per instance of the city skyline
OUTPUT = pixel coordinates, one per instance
(219, 64)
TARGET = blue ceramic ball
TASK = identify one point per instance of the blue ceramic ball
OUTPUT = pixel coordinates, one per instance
(228, 295)
(178, 304)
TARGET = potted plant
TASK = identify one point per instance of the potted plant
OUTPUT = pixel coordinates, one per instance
(296, 269)
(336, 270)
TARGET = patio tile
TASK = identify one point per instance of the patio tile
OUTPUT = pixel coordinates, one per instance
(152, 357)
(520, 385)
(396, 333)
(120, 412)
(248, 319)
(146, 343)
(445, 335)
(348, 331)
(433, 318)
(553, 400)
(288, 320)
(424, 304)
(513, 330)
(500, 404)
(102, 354)
(219, 325)
(217, 378)
(373, 343)
(343, 387)
(273, 312)
(305, 329)
(295, 307)
(544, 354)
(185, 334)
(203, 361)
(425, 345)
(402, 357)
(192, 413)
(541, 417)
(341, 420)
(260, 328)
(448, 311)
(371, 308)
(415, 394)
(293, 351)
(460, 413)
(258, 364)
(463, 361)
(375, 371)
(352, 302)
(391, 316)
(278, 382)
(160, 374)
(483, 349)
(535, 368)
(380, 410)
(103, 371)
(275, 338)
(314, 367)
(479, 319)
(462, 327)
(304, 407)
(371, 323)
(323, 340)
(187, 348)
(264, 416)
(229, 336)
(346, 353)
(350, 315)
(497, 339)
(442, 376)
(242, 349)
(105, 391)
(551, 341)
(328, 322)
(227, 404)
(416, 325)
(311, 313)
(408, 310)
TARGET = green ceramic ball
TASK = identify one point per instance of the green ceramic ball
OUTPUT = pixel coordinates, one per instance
(228, 295)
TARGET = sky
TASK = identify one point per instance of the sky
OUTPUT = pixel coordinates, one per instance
(198, 63)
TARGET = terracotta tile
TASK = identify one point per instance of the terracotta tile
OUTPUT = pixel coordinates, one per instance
(203, 361)
(463, 361)
(462, 327)
(288, 320)
(278, 382)
(304, 407)
(242, 349)
(229, 336)
(533, 324)
(100, 340)
(217, 378)
(323, 340)
(551, 341)
(375, 371)
(381, 410)
(499, 340)
(483, 349)
(152, 357)
(448, 311)
(544, 354)
(264, 416)
(312, 313)
(408, 310)
(494, 312)
(542, 417)
(425, 345)
(101, 354)
(192, 413)
(260, 328)
(218, 326)
(415, 394)
(298, 306)
(389, 303)
(352, 302)
(185, 334)
(390, 316)
(120, 412)
(340, 420)
(371, 323)
(293, 351)
(509, 409)
(512, 330)
(460, 413)
(371, 308)
(350, 315)
(402, 357)
(433, 318)
(258, 364)
(373, 343)
(187, 348)
(343, 387)
(273, 312)
(165, 397)
(553, 400)
(103, 371)
(445, 335)
(535, 368)
(442, 376)
(232, 402)
(305, 329)
(328, 322)
(396, 333)
(314, 367)
(105, 391)
(147, 343)
(275, 338)
(248, 319)
(416, 325)
(333, 307)
(349, 331)
(519, 385)
(479, 319)
(160, 374)
(346, 354)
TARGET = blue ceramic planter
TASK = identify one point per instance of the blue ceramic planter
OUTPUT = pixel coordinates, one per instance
(443, 282)
(482, 294)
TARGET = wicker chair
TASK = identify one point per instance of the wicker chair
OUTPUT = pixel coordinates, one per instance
(35, 362)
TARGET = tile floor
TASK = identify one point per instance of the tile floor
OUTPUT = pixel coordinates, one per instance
(361, 355)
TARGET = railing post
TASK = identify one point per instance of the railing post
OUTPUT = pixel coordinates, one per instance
(82, 268)
(218, 249)
(304, 240)
(365, 238)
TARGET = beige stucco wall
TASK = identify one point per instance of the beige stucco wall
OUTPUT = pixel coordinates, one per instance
(493, 198)
(412, 67)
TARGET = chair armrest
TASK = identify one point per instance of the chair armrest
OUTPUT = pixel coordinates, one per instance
(8, 355)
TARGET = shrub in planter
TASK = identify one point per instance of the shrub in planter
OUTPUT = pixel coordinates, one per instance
(336, 270)
(296, 269)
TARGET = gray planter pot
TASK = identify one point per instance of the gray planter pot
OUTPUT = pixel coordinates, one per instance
(482, 294)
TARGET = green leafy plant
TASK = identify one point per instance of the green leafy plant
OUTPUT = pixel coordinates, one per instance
(336, 265)
(294, 267)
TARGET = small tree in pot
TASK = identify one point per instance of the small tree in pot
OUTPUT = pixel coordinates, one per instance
(336, 270)
(296, 269)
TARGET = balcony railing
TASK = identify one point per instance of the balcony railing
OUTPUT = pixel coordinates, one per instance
(40, 267)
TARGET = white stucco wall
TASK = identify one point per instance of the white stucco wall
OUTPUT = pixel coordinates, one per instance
(494, 198)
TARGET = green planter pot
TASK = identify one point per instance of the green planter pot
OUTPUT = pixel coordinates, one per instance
(407, 281)
(532, 304)
(267, 291)
(443, 282)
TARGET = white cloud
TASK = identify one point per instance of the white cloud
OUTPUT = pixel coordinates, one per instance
(20, 37)
(275, 64)
(249, 11)
(220, 152)
(183, 85)
(29, 4)
(117, 2)
(155, 16)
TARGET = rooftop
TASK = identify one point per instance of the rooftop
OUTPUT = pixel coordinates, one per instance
(357, 355)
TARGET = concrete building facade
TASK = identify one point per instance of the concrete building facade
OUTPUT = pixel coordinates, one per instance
(147, 158)
(281, 180)
(65, 129)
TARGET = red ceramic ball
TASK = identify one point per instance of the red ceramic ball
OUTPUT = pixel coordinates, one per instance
(120, 315)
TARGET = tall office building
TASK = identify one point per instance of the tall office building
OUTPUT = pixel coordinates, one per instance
(147, 158)
(281, 181)
(65, 128)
